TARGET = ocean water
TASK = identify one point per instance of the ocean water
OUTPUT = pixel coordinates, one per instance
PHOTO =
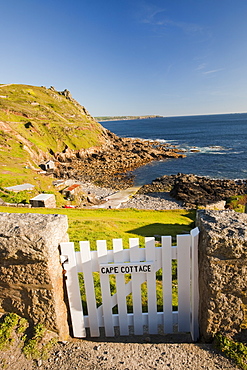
(221, 141)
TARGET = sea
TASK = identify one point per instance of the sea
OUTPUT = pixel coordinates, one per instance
(215, 145)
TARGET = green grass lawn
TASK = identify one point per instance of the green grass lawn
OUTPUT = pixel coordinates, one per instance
(104, 224)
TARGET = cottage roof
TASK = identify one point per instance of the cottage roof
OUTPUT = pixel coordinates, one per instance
(42, 197)
(72, 187)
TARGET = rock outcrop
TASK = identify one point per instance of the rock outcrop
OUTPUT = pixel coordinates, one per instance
(195, 190)
(109, 165)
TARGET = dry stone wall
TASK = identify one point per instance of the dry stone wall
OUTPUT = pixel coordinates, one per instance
(222, 272)
(31, 282)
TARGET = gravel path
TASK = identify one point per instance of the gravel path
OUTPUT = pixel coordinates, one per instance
(91, 355)
(152, 201)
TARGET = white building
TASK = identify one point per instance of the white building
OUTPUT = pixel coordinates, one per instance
(44, 200)
(22, 187)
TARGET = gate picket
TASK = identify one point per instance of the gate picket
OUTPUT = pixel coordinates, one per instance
(121, 288)
(136, 287)
(151, 288)
(73, 288)
(166, 242)
(118, 262)
(105, 290)
(89, 288)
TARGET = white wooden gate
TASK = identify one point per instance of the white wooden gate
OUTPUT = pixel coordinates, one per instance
(142, 264)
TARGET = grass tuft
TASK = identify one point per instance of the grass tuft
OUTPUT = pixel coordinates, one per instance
(14, 327)
(234, 350)
(7, 326)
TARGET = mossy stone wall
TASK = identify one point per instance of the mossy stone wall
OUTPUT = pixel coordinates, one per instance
(31, 280)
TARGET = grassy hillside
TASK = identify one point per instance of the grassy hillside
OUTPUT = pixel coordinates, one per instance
(108, 224)
(36, 122)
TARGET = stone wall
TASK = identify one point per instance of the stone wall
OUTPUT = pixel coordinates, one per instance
(222, 272)
(31, 282)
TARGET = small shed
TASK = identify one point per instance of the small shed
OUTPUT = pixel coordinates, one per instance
(44, 200)
(22, 187)
(72, 190)
(49, 165)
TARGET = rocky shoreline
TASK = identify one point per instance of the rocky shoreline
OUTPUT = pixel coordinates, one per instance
(111, 164)
(175, 192)
(195, 191)
(110, 167)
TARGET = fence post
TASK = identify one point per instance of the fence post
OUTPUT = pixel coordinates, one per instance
(194, 285)
(31, 280)
(183, 258)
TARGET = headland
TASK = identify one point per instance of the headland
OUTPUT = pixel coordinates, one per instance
(124, 118)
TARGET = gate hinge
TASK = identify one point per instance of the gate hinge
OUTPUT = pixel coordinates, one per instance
(63, 259)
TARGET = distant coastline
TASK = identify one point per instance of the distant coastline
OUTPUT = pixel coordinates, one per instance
(208, 141)
(124, 118)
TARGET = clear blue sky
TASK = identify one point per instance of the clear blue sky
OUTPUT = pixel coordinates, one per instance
(130, 57)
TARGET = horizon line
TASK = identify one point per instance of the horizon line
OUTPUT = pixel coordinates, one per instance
(172, 115)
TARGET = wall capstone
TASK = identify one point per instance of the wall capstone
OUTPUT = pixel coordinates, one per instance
(31, 282)
(222, 272)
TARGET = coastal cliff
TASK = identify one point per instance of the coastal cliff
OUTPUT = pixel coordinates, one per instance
(39, 121)
(35, 123)
(38, 124)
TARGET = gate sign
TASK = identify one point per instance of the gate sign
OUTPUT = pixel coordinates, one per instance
(126, 268)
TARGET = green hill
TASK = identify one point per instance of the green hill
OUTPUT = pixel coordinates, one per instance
(35, 123)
